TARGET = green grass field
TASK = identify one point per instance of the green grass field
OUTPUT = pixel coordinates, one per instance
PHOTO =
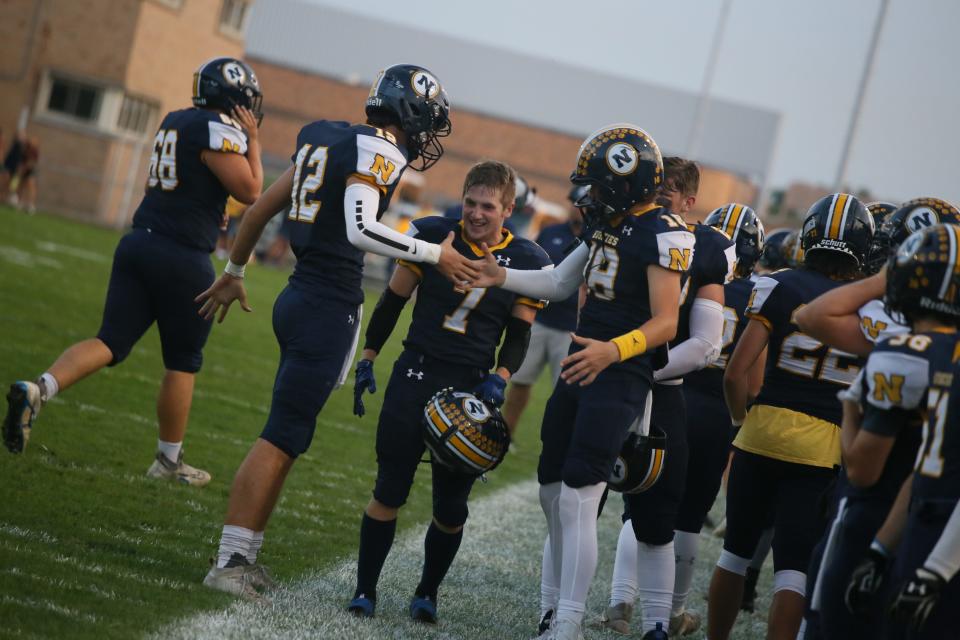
(89, 547)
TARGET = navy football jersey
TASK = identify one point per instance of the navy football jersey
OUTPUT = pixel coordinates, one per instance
(709, 380)
(556, 240)
(184, 200)
(328, 154)
(618, 296)
(465, 328)
(898, 377)
(802, 374)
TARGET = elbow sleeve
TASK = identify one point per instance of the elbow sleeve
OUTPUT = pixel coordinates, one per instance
(514, 347)
(704, 344)
(552, 284)
(384, 319)
(365, 232)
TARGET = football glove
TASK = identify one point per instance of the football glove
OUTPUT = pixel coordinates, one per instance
(862, 593)
(917, 598)
(491, 389)
(363, 381)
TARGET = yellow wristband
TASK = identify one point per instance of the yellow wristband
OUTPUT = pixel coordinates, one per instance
(631, 344)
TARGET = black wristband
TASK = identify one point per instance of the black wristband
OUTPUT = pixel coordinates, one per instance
(384, 319)
(514, 346)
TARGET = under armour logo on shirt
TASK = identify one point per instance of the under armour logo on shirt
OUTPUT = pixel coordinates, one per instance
(351, 319)
(415, 374)
(627, 230)
(503, 261)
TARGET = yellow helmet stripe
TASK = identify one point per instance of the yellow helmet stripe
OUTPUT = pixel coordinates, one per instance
(463, 449)
(654, 472)
(837, 213)
(733, 219)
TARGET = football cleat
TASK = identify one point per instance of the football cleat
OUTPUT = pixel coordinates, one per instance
(545, 622)
(617, 618)
(656, 634)
(362, 607)
(237, 580)
(685, 623)
(262, 578)
(566, 630)
(23, 405)
(179, 471)
(423, 609)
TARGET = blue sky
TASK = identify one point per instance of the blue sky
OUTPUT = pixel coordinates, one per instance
(801, 59)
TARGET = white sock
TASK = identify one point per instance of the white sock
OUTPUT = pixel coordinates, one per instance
(48, 386)
(233, 540)
(623, 586)
(255, 543)
(550, 503)
(762, 550)
(549, 586)
(655, 573)
(170, 450)
(685, 547)
(578, 519)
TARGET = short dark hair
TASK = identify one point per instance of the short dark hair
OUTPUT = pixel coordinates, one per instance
(682, 175)
(494, 175)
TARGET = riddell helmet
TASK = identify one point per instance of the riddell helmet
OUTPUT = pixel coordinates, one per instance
(912, 216)
(524, 195)
(772, 256)
(741, 225)
(413, 97)
(640, 463)
(464, 433)
(622, 166)
(792, 250)
(838, 223)
(923, 276)
(879, 251)
(880, 211)
(224, 83)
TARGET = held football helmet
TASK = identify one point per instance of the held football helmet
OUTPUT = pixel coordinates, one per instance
(772, 256)
(912, 216)
(923, 276)
(838, 223)
(741, 225)
(524, 195)
(640, 463)
(464, 433)
(792, 250)
(415, 99)
(621, 165)
(224, 83)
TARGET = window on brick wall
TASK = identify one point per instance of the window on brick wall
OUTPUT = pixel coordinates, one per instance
(135, 115)
(233, 17)
(74, 98)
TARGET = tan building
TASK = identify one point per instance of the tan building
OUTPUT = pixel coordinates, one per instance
(90, 80)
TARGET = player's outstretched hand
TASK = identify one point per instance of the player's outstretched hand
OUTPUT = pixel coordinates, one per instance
(221, 295)
(458, 269)
(585, 365)
(491, 389)
(248, 121)
(490, 274)
(363, 381)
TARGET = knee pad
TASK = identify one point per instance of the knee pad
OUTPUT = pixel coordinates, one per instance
(732, 563)
(451, 514)
(790, 580)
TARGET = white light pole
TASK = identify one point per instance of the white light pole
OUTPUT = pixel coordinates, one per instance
(700, 115)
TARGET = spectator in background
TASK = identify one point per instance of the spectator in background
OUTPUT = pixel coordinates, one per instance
(10, 168)
(27, 175)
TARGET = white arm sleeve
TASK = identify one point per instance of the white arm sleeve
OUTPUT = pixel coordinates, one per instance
(364, 231)
(703, 345)
(550, 284)
(944, 560)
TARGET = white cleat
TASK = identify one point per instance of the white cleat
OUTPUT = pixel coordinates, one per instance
(239, 581)
(23, 405)
(179, 471)
(565, 630)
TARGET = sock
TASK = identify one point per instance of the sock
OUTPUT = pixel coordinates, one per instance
(233, 540)
(170, 450)
(549, 586)
(48, 386)
(578, 519)
(685, 547)
(255, 545)
(656, 566)
(376, 538)
(439, 550)
(623, 586)
(550, 503)
(763, 549)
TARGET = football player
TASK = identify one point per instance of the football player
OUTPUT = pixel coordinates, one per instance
(340, 183)
(450, 343)
(649, 552)
(550, 336)
(907, 376)
(788, 445)
(632, 260)
(772, 257)
(199, 157)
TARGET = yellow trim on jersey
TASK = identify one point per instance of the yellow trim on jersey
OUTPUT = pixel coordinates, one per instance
(733, 218)
(757, 316)
(630, 344)
(507, 239)
(413, 266)
(791, 436)
(836, 216)
(645, 209)
(530, 302)
(370, 181)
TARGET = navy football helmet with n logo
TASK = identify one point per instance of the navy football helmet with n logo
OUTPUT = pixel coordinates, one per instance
(414, 98)
(742, 225)
(621, 165)
(464, 433)
(224, 83)
(838, 223)
(912, 216)
(923, 276)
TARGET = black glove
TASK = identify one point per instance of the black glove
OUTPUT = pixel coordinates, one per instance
(364, 381)
(491, 389)
(863, 590)
(917, 598)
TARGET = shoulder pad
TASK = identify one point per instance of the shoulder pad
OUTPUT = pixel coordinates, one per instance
(224, 134)
(431, 228)
(896, 379)
(761, 292)
(876, 324)
(379, 159)
(532, 255)
(675, 249)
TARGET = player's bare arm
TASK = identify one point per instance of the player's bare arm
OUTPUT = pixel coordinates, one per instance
(241, 176)
(736, 379)
(833, 319)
